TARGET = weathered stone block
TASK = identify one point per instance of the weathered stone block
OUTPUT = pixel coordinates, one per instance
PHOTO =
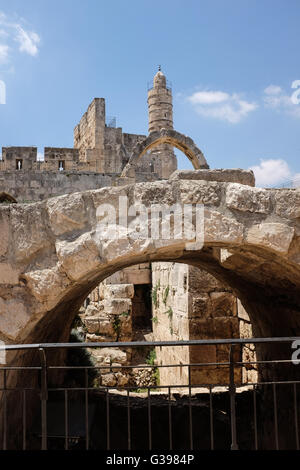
(116, 306)
(248, 199)
(111, 354)
(221, 229)
(94, 310)
(203, 354)
(8, 275)
(79, 257)
(202, 328)
(67, 213)
(29, 231)
(14, 316)
(47, 285)
(223, 304)
(5, 235)
(120, 291)
(287, 203)
(201, 306)
(108, 380)
(226, 327)
(200, 192)
(221, 175)
(274, 236)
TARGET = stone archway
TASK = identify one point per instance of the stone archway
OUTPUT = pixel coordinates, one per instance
(52, 259)
(171, 137)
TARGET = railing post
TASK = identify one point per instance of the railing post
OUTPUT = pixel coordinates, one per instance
(190, 409)
(4, 412)
(232, 390)
(44, 397)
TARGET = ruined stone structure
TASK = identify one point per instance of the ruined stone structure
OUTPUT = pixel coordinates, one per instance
(52, 258)
(52, 261)
(101, 154)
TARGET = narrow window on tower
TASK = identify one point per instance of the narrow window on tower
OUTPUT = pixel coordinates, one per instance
(61, 165)
(19, 164)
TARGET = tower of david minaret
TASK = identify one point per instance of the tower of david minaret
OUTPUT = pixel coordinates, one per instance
(160, 110)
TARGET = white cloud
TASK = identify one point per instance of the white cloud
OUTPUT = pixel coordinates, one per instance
(14, 32)
(273, 90)
(208, 97)
(276, 98)
(28, 40)
(221, 105)
(4, 49)
(272, 172)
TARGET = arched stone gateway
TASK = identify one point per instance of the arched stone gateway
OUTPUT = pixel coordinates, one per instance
(166, 136)
(52, 255)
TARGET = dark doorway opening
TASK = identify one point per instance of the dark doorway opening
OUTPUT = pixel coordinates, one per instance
(142, 307)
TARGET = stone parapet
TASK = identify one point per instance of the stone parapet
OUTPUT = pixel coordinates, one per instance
(235, 175)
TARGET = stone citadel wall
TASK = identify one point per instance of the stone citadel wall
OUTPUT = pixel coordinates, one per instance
(98, 148)
(100, 153)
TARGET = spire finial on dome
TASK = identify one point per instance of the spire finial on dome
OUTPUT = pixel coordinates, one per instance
(159, 79)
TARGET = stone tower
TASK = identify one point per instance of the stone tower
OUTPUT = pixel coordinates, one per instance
(160, 112)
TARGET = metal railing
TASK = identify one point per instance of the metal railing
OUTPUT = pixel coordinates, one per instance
(126, 416)
(168, 85)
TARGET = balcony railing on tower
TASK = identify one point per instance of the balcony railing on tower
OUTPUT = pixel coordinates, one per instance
(168, 85)
(111, 121)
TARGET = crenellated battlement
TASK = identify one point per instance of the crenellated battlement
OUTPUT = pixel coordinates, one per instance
(26, 159)
(100, 147)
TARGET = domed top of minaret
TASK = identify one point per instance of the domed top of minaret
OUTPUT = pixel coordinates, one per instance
(159, 79)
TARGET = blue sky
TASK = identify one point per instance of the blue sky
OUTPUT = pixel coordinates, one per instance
(232, 64)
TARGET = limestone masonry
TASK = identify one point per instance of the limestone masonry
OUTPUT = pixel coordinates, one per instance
(50, 261)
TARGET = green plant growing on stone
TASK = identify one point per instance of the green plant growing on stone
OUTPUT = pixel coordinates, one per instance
(154, 297)
(165, 295)
(151, 357)
(124, 314)
(154, 320)
(154, 294)
(117, 326)
(151, 362)
(155, 376)
(169, 312)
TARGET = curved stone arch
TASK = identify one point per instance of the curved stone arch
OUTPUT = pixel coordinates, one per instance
(7, 198)
(171, 137)
(59, 258)
(52, 259)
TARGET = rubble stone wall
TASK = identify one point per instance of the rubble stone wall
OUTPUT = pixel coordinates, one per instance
(109, 317)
